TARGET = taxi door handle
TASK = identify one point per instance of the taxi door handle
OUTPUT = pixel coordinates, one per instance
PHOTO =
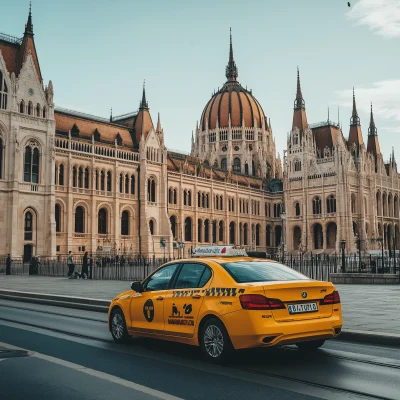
(160, 298)
(196, 296)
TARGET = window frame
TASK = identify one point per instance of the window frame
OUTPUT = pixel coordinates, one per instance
(146, 281)
(181, 265)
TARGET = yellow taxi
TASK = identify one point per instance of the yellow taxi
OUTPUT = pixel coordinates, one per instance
(222, 299)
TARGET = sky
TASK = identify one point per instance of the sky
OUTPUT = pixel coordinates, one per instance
(98, 53)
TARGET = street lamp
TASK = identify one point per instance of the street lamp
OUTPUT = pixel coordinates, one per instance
(380, 240)
(283, 217)
(343, 247)
(358, 241)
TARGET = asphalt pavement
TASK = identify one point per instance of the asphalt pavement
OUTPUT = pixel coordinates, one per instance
(70, 355)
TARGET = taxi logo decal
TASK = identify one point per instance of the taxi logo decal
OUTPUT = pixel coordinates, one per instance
(148, 310)
(211, 292)
(304, 295)
(177, 319)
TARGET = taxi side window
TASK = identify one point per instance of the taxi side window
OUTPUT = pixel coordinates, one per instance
(160, 279)
(192, 275)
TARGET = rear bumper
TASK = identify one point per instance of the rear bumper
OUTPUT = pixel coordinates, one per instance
(273, 333)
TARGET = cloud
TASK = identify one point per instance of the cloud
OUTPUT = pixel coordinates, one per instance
(383, 94)
(381, 16)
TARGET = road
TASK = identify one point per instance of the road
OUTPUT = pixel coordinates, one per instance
(51, 352)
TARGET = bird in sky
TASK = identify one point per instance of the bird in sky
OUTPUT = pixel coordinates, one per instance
(348, 3)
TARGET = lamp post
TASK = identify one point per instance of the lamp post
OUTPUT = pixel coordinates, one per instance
(380, 241)
(283, 217)
(343, 247)
(358, 241)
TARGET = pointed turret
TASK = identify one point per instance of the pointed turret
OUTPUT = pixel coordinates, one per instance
(355, 134)
(143, 123)
(231, 72)
(143, 103)
(158, 129)
(111, 117)
(373, 142)
(29, 25)
(299, 114)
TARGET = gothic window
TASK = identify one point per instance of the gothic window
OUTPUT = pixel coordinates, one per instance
(295, 139)
(188, 229)
(246, 168)
(30, 108)
(151, 190)
(207, 201)
(245, 234)
(28, 228)
(132, 184)
(102, 180)
(172, 221)
(38, 110)
(258, 227)
(58, 216)
(331, 204)
(31, 165)
(232, 233)
(199, 230)
(22, 107)
(221, 231)
(297, 209)
(3, 92)
(87, 172)
(203, 200)
(268, 236)
(96, 135)
(44, 112)
(317, 205)
(109, 181)
(125, 223)
(151, 226)
(206, 231)
(74, 177)
(1, 158)
(353, 204)
(61, 175)
(121, 183)
(221, 203)
(198, 199)
(189, 197)
(175, 197)
(126, 184)
(80, 177)
(184, 198)
(253, 168)
(297, 165)
(236, 165)
(102, 221)
(213, 231)
(79, 219)
(119, 139)
(224, 164)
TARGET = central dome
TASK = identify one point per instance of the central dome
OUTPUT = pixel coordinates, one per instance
(232, 100)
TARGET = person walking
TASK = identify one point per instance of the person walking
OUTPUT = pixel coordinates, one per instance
(91, 266)
(84, 271)
(71, 266)
(8, 265)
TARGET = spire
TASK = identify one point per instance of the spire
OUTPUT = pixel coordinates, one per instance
(372, 131)
(158, 129)
(299, 102)
(355, 119)
(111, 115)
(231, 72)
(29, 25)
(143, 103)
(328, 115)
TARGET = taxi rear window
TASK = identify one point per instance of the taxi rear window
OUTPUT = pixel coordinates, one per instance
(261, 271)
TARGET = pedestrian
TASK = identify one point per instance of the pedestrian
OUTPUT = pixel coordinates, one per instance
(84, 271)
(90, 266)
(8, 265)
(71, 266)
(33, 266)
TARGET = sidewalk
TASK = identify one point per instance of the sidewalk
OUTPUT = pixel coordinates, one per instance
(367, 309)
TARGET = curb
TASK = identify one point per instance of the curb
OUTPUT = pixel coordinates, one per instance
(99, 305)
(80, 303)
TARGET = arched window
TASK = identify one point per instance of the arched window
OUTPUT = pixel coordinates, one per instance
(175, 197)
(3, 92)
(245, 234)
(38, 110)
(58, 216)
(268, 236)
(236, 165)
(74, 177)
(102, 221)
(184, 198)
(1, 157)
(316, 206)
(199, 230)
(206, 231)
(213, 231)
(61, 175)
(87, 177)
(172, 221)
(22, 107)
(188, 229)
(30, 108)
(354, 199)
(295, 139)
(121, 183)
(151, 190)
(44, 112)
(224, 164)
(109, 181)
(258, 227)
(221, 203)
(297, 209)
(79, 219)
(125, 223)
(102, 180)
(28, 227)
(80, 177)
(331, 204)
(132, 184)
(151, 226)
(203, 200)
(198, 199)
(31, 165)
(207, 201)
(246, 168)
(189, 197)
(232, 233)
(126, 184)
(221, 231)
(297, 165)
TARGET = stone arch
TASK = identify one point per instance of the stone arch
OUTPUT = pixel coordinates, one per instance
(173, 220)
(318, 238)
(296, 237)
(331, 235)
(188, 229)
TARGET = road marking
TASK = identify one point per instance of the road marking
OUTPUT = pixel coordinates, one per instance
(98, 374)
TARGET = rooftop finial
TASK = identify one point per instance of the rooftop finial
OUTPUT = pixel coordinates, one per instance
(328, 115)
(143, 103)
(231, 72)
(111, 115)
(299, 102)
(372, 128)
(29, 25)
(355, 119)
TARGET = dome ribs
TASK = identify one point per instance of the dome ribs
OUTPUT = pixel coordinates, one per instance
(240, 107)
(219, 107)
(251, 108)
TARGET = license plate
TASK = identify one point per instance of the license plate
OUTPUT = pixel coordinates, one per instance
(302, 308)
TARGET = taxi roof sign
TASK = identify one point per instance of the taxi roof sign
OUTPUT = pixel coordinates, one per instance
(221, 251)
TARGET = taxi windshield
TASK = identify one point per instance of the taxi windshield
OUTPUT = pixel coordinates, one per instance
(261, 271)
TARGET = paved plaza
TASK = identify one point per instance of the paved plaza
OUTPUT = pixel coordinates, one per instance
(369, 308)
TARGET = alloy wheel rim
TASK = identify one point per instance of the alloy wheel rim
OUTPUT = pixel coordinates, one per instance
(117, 326)
(213, 341)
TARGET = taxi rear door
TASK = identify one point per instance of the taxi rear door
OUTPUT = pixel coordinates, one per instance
(183, 301)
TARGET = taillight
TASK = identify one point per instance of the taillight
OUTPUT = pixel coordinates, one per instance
(332, 298)
(259, 302)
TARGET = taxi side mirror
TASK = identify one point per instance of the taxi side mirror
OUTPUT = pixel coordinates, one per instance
(137, 286)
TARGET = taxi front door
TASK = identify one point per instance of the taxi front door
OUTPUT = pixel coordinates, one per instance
(183, 302)
(147, 308)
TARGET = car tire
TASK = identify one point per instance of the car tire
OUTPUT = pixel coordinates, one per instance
(215, 342)
(118, 328)
(311, 345)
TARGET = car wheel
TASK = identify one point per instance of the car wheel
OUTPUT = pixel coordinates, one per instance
(214, 341)
(311, 345)
(118, 326)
